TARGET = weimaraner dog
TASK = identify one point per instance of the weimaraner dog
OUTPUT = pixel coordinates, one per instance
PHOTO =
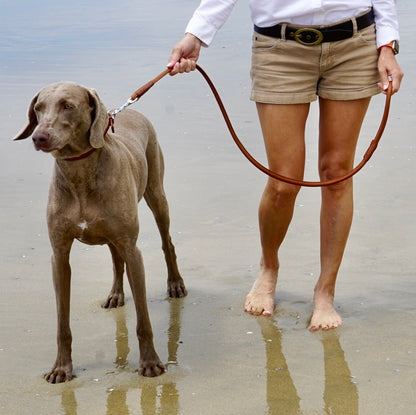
(96, 185)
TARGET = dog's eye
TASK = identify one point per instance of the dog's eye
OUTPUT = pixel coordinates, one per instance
(67, 106)
(37, 107)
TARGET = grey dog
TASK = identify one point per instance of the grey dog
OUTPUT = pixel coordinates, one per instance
(97, 182)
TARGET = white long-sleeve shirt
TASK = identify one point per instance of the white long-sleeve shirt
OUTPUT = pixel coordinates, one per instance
(210, 16)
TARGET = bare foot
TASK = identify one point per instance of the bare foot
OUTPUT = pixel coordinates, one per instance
(324, 315)
(260, 300)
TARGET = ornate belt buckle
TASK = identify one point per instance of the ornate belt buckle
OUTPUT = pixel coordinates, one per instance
(309, 36)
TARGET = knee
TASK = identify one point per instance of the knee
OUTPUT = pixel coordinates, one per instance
(333, 170)
(279, 192)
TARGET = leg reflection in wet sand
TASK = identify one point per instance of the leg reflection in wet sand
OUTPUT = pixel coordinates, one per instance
(122, 339)
(341, 394)
(282, 397)
(164, 398)
(117, 395)
(69, 402)
(156, 396)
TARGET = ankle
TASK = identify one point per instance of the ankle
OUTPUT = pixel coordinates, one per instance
(269, 266)
(324, 291)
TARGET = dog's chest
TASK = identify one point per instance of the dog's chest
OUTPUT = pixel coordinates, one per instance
(92, 214)
(88, 223)
(95, 225)
(92, 232)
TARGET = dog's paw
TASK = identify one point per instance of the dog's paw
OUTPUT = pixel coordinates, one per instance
(151, 368)
(59, 374)
(114, 300)
(177, 289)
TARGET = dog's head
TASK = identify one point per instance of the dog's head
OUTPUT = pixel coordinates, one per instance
(65, 119)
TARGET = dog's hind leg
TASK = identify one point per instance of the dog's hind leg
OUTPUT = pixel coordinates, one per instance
(156, 199)
(116, 297)
(158, 204)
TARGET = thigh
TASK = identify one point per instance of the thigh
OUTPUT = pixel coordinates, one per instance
(283, 127)
(339, 127)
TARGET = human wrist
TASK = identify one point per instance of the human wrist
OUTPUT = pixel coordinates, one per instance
(392, 46)
(193, 38)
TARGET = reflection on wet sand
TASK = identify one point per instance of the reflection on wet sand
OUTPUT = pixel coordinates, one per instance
(117, 401)
(282, 397)
(154, 398)
(340, 395)
(165, 398)
(121, 340)
(69, 402)
(117, 395)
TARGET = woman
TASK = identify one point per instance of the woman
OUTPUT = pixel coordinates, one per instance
(341, 51)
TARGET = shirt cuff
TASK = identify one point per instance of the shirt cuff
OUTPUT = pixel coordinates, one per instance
(386, 35)
(202, 29)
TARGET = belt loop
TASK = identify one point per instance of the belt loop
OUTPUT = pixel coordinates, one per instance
(354, 25)
(283, 31)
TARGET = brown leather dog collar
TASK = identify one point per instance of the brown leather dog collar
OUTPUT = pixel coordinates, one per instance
(82, 156)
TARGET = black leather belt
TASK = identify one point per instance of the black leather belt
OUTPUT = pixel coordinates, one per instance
(315, 35)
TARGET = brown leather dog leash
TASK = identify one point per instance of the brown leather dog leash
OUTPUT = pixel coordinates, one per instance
(372, 147)
(135, 97)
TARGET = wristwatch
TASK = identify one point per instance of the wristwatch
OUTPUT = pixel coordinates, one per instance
(394, 45)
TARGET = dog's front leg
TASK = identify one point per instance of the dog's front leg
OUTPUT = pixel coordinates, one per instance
(62, 369)
(150, 364)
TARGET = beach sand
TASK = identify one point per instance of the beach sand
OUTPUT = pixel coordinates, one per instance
(220, 360)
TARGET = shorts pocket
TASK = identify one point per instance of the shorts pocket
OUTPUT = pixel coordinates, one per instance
(262, 42)
(367, 36)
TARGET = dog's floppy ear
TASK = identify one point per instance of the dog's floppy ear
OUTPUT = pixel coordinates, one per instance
(32, 123)
(99, 120)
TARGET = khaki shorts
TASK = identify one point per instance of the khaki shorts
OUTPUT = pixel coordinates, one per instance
(286, 72)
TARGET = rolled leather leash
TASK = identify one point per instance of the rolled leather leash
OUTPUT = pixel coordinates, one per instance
(372, 147)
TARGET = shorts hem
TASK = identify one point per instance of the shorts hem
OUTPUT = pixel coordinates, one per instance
(347, 95)
(306, 98)
(282, 97)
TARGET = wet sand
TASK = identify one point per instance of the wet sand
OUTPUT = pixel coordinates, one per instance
(220, 360)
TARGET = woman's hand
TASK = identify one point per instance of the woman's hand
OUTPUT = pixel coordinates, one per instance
(184, 55)
(389, 68)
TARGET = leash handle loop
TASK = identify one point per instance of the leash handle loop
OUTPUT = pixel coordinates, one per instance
(372, 147)
(274, 175)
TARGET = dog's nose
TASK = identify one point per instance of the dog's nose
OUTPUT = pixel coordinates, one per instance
(41, 139)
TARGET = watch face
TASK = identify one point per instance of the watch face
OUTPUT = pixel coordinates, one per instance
(396, 46)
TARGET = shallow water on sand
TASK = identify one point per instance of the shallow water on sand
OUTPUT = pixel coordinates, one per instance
(220, 360)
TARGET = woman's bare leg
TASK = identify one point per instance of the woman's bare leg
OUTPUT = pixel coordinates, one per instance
(283, 129)
(340, 124)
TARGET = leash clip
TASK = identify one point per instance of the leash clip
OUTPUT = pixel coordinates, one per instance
(111, 118)
(110, 124)
(134, 98)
